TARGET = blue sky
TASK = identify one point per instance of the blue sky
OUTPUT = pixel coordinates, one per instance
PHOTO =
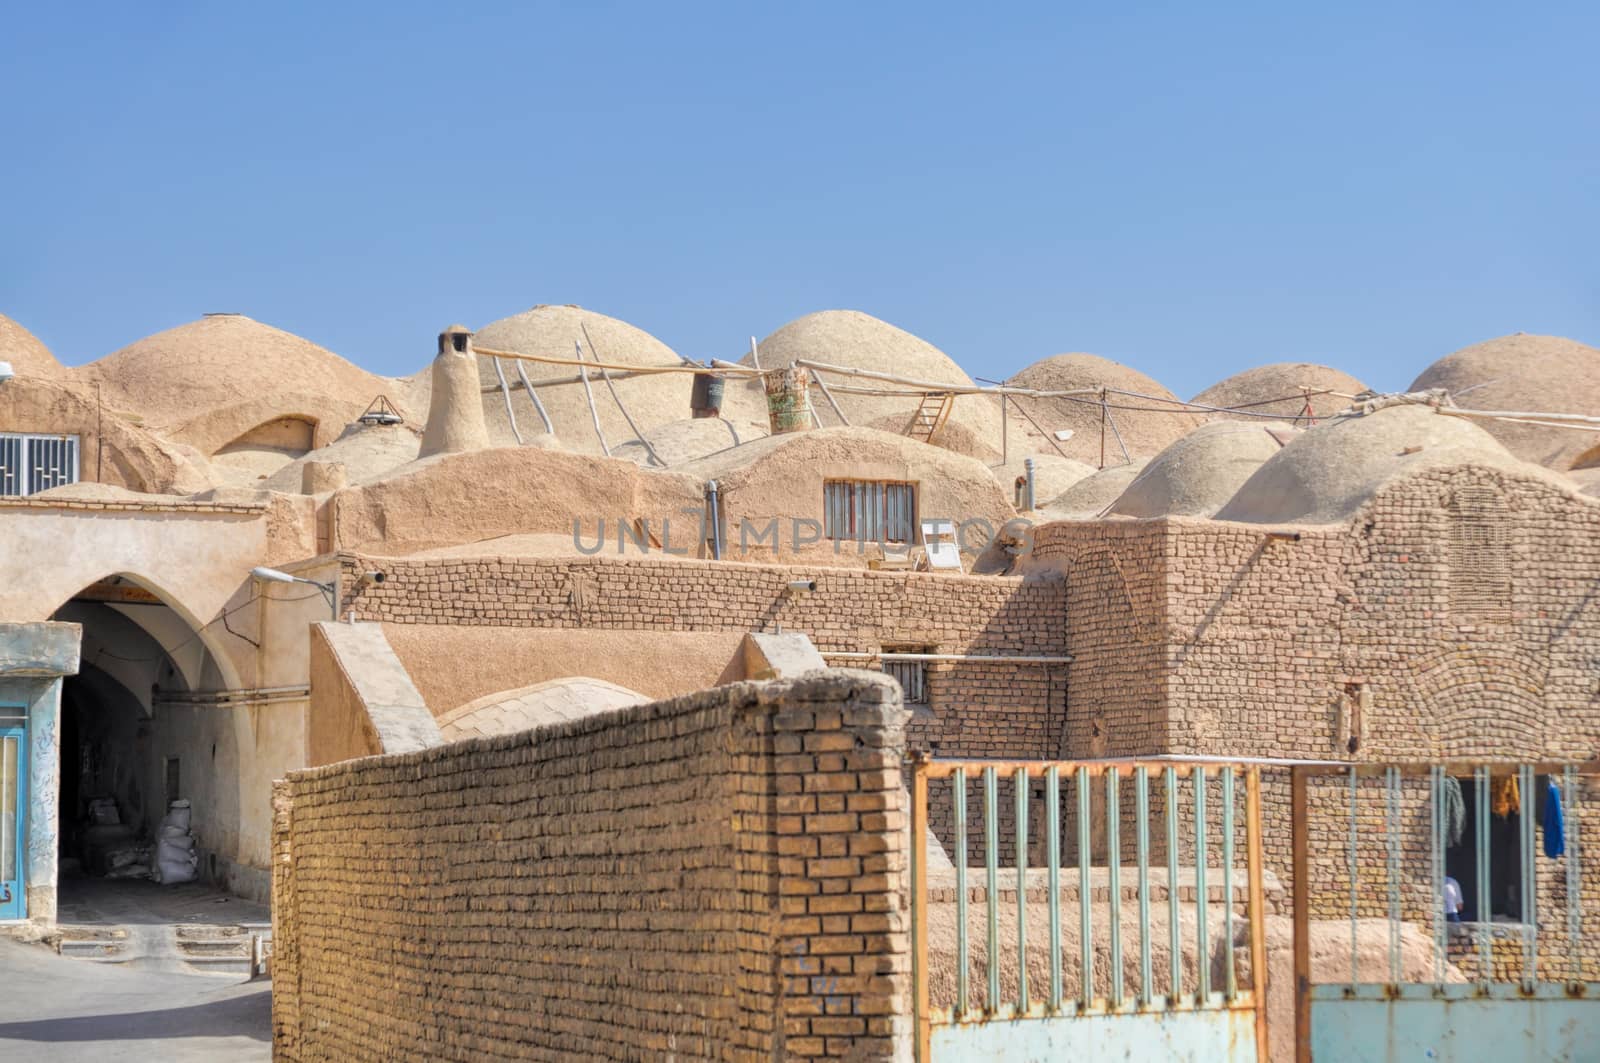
(1191, 189)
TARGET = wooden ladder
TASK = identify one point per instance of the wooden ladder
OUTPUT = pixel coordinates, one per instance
(931, 415)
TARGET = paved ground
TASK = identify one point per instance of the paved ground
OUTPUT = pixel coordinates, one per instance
(134, 902)
(54, 1010)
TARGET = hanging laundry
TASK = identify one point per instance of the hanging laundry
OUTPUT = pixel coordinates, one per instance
(1507, 798)
(1454, 811)
(1555, 828)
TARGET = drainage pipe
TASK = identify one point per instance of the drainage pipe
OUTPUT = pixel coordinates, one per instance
(716, 521)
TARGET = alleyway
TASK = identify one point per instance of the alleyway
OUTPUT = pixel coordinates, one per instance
(56, 1009)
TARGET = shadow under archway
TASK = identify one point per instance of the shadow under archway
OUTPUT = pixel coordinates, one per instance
(133, 739)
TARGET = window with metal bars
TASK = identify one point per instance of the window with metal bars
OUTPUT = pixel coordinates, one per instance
(869, 510)
(30, 464)
(911, 675)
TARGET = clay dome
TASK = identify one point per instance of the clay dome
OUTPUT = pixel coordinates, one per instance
(856, 340)
(1279, 390)
(1326, 473)
(1198, 474)
(1052, 475)
(1091, 497)
(1523, 372)
(539, 705)
(230, 382)
(554, 332)
(683, 441)
(367, 452)
(1146, 429)
(26, 353)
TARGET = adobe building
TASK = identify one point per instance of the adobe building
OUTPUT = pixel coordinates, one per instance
(278, 560)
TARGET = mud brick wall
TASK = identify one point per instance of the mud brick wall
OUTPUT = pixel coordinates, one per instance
(977, 709)
(719, 876)
(1459, 611)
(1116, 607)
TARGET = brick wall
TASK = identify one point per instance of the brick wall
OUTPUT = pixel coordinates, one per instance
(978, 709)
(1458, 610)
(719, 876)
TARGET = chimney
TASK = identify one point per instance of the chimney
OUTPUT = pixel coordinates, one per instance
(455, 412)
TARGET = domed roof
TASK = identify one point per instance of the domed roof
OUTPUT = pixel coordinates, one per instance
(26, 353)
(554, 332)
(1199, 473)
(678, 442)
(1143, 423)
(1052, 475)
(367, 452)
(1090, 497)
(1279, 389)
(1523, 372)
(539, 705)
(856, 340)
(181, 379)
(1329, 471)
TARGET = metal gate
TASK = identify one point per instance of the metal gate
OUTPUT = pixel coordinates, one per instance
(1098, 811)
(1514, 975)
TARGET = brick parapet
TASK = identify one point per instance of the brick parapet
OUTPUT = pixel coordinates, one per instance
(614, 887)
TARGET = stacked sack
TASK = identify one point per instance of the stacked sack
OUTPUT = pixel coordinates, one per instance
(175, 855)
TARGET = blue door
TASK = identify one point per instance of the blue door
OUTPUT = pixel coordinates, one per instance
(13, 820)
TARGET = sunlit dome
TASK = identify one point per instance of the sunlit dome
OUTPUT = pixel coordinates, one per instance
(1140, 415)
(1525, 373)
(555, 332)
(856, 340)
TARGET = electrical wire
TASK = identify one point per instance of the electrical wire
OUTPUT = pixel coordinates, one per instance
(221, 618)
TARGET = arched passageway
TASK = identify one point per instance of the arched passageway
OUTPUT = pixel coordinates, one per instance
(135, 738)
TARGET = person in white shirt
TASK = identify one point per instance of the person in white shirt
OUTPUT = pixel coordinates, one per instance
(1452, 900)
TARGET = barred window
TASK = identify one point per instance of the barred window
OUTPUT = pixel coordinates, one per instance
(869, 510)
(912, 677)
(33, 463)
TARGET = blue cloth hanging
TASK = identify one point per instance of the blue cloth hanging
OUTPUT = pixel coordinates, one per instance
(1555, 837)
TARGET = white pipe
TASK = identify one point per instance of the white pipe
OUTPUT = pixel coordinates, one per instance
(982, 657)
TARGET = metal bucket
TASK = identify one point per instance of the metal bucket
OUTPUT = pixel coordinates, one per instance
(788, 408)
(706, 398)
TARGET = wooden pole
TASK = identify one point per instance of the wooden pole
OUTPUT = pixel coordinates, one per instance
(816, 376)
(635, 370)
(940, 388)
(1258, 906)
(755, 354)
(1112, 421)
(505, 393)
(588, 393)
(1005, 434)
(921, 1019)
(1302, 915)
(527, 386)
(1048, 437)
(1103, 412)
(606, 376)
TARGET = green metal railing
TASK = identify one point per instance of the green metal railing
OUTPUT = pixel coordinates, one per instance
(1082, 777)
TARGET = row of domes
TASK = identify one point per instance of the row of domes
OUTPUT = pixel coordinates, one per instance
(211, 379)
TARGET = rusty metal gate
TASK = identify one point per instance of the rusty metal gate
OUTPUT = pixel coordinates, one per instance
(1474, 873)
(1098, 811)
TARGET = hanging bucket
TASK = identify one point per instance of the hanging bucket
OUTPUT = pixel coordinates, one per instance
(788, 408)
(706, 398)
